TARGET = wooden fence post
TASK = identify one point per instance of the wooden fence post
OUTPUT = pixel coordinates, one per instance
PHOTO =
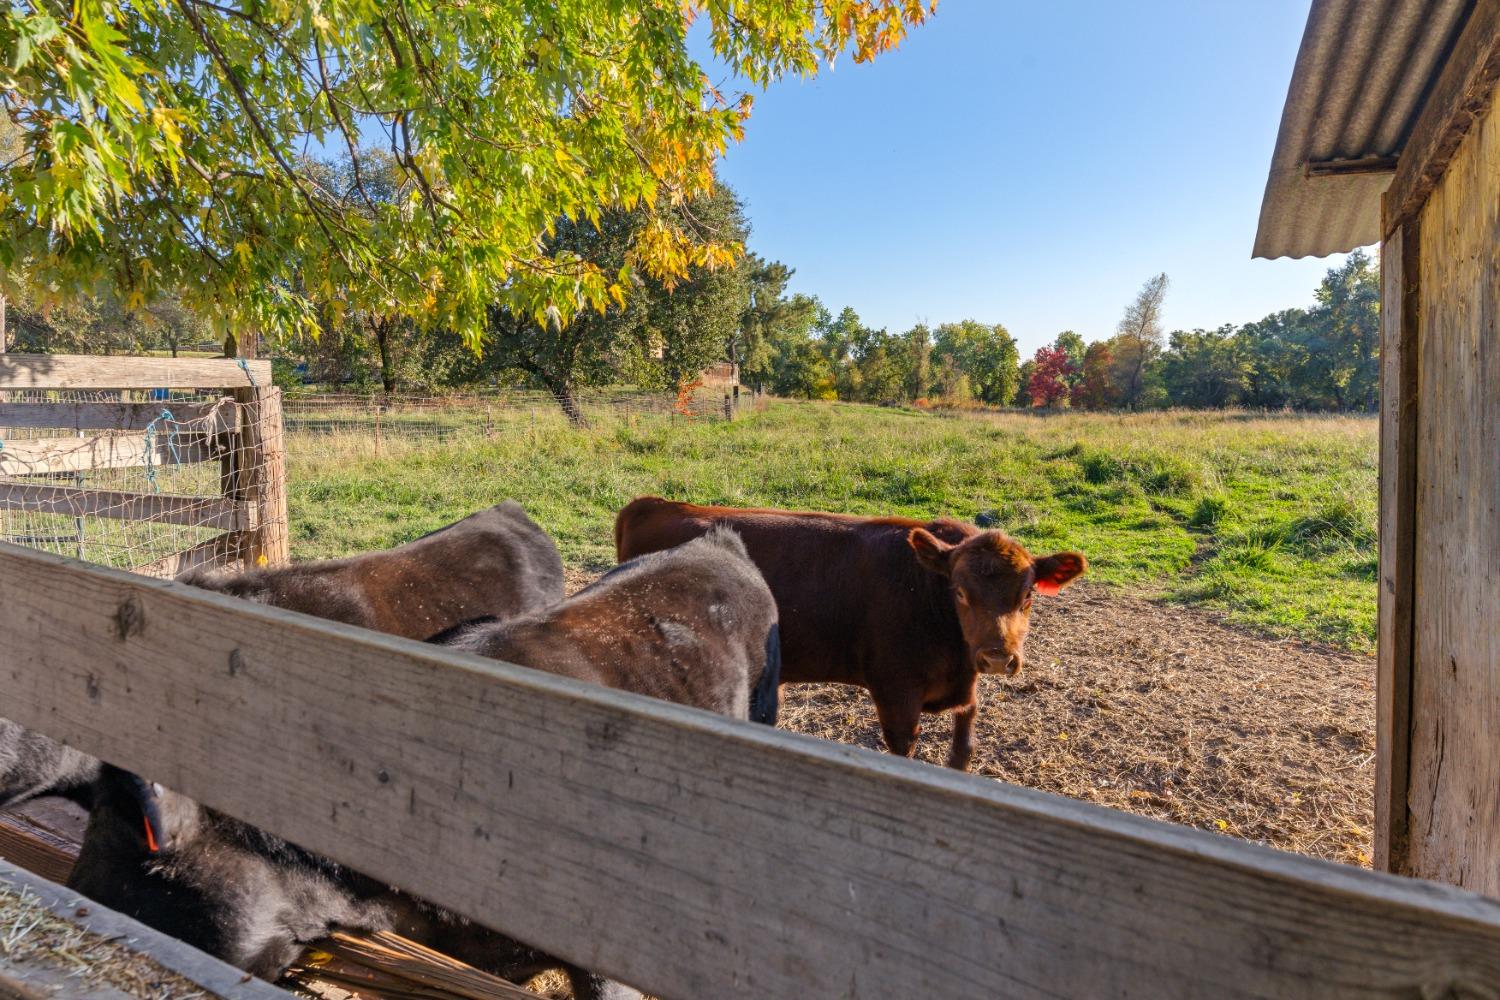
(260, 476)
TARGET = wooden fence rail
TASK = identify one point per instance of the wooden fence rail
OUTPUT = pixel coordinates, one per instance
(214, 417)
(86, 371)
(687, 854)
(50, 455)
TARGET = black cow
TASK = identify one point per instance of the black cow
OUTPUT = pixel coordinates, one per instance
(695, 625)
(256, 901)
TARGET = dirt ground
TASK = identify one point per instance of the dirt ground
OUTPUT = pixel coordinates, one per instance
(1164, 711)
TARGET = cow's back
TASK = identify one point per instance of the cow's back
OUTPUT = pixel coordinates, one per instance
(855, 606)
(695, 625)
(496, 562)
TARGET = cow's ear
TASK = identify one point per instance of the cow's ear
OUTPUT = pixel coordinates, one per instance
(1056, 571)
(932, 552)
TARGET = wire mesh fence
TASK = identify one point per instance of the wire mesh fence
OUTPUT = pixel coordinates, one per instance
(340, 424)
(151, 479)
(162, 474)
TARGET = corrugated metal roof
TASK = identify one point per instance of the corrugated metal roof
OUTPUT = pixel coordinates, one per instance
(1363, 71)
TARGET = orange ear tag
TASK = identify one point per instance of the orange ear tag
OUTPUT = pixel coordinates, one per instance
(1048, 587)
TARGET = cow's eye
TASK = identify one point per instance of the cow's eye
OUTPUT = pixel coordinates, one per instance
(1026, 604)
(961, 594)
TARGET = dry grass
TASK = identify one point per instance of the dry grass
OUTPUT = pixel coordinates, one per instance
(1166, 712)
(1160, 710)
(30, 935)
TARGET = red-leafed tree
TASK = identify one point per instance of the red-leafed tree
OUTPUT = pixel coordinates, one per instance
(1049, 384)
(1095, 390)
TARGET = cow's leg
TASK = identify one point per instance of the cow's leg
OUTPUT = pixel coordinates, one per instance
(900, 721)
(963, 735)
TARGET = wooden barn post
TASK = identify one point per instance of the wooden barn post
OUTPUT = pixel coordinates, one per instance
(1437, 796)
(259, 470)
(1400, 296)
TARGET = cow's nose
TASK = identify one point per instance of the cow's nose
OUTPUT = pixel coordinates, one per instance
(1000, 661)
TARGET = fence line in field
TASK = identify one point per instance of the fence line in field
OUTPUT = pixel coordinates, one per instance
(375, 421)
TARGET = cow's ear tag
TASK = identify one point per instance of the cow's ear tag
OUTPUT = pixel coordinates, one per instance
(1048, 587)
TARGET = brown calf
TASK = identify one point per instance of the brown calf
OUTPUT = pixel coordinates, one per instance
(495, 562)
(912, 611)
(694, 624)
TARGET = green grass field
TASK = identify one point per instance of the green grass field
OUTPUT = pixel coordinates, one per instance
(1270, 519)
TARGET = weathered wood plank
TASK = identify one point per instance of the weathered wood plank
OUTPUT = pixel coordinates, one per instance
(217, 979)
(42, 456)
(260, 465)
(24, 843)
(691, 855)
(218, 513)
(213, 417)
(221, 550)
(1458, 99)
(80, 371)
(1400, 298)
(1454, 794)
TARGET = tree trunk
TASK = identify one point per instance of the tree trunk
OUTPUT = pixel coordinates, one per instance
(563, 391)
(383, 341)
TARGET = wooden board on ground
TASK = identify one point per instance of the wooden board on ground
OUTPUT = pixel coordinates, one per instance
(380, 966)
(29, 840)
(688, 854)
(80, 371)
(210, 417)
(60, 945)
(217, 513)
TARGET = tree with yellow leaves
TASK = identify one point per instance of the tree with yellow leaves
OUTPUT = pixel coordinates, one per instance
(164, 146)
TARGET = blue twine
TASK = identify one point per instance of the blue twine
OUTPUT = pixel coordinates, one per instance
(245, 367)
(151, 447)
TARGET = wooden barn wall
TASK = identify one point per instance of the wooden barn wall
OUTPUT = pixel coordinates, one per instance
(1453, 798)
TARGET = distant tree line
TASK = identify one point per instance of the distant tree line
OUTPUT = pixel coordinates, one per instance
(659, 334)
(1322, 358)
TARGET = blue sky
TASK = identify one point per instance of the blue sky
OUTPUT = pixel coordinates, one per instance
(1032, 164)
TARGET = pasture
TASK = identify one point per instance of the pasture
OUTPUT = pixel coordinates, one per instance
(1268, 519)
(1152, 687)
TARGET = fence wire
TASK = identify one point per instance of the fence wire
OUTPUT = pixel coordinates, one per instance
(157, 480)
(170, 475)
(340, 424)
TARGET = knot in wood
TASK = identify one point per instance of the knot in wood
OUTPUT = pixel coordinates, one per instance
(130, 617)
